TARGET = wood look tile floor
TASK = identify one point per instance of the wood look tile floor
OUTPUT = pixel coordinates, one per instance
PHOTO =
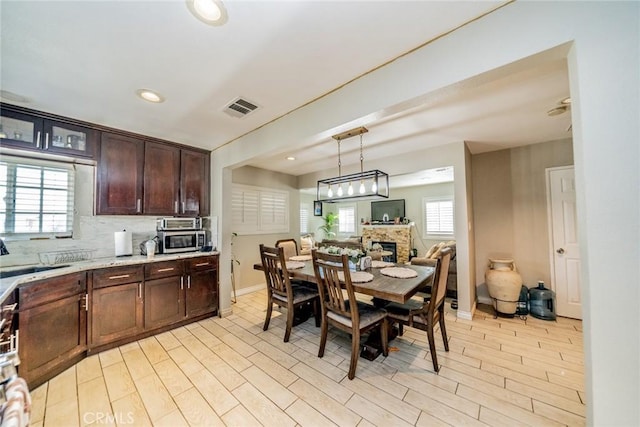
(229, 372)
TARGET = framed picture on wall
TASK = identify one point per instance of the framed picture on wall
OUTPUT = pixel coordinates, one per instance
(317, 208)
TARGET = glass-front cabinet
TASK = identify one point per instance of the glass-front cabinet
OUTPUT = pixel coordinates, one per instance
(26, 131)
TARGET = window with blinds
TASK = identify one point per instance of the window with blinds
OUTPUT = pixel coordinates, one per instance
(347, 219)
(36, 198)
(438, 216)
(305, 209)
(258, 210)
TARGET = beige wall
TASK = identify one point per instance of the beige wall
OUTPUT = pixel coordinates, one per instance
(246, 248)
(510, 208)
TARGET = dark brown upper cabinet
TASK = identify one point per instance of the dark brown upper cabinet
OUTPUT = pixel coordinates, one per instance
(120, 172)
(23, 130)
(151, 178)
(161, 179)
(194, 183)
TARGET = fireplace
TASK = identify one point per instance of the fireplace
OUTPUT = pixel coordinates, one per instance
(399, 235)
(390, 247)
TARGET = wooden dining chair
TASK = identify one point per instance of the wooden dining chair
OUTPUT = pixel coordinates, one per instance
(426, 313)
(341, 309)
(290, 247)
(281, 292)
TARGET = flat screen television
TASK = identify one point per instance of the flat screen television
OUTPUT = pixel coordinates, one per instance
(392, 209)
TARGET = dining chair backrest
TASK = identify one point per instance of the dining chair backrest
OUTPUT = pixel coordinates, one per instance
(439, 288)
(290, 247)
(328, 268)
(275, 270)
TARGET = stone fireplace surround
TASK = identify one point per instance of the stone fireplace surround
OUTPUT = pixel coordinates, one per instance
(400, 234)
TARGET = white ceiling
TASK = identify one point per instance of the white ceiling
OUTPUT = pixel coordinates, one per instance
(86, 60)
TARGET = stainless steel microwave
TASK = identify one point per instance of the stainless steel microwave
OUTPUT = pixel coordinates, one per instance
(171, 242)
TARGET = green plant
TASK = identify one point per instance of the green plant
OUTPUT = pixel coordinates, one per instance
(330, 222)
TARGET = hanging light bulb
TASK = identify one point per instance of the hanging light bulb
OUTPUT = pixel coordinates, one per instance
(375, 189)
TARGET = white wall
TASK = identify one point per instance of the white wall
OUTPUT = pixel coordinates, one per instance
(604, 66)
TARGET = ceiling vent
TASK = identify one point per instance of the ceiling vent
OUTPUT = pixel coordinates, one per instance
(240, 107)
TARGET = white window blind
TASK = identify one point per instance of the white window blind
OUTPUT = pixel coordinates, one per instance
(438, 216)
(347, 219)
(36, 197)
(258, 210)
(305, 208)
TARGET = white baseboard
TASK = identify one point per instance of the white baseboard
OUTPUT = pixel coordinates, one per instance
(250, 289)
(467, 315)
(226, 312)
(229, 311)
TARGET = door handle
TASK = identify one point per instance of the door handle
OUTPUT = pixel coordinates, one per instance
(560, 251)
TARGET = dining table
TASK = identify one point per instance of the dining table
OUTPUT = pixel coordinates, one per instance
(383, 287)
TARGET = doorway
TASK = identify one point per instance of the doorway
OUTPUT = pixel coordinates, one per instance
(563, 237)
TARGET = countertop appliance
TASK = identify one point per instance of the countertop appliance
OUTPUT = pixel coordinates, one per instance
(180, 235)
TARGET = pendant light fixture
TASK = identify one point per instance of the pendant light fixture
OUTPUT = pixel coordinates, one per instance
(379, 187)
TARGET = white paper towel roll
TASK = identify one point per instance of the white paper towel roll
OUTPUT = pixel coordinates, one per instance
(124, 245)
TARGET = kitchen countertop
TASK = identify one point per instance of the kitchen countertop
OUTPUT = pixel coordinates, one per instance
(9, 284)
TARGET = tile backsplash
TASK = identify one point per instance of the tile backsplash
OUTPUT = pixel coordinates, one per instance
(94, 233)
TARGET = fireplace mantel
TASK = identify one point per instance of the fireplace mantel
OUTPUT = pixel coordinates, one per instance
(400, 234)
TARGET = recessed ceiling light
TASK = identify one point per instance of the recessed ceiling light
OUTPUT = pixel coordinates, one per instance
(149, 95)
(290, 158)
(211, 12)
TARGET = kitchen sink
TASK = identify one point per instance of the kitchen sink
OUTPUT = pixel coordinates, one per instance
(28, 270)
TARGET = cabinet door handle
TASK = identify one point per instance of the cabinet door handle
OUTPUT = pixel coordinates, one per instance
(38, 139)
(162, 270)
(140, 290)
(175, 207)
(201, 264)
(16, 341)
(122, 276)
(181, 282)
(46, 140)
(184, 207)
(138, 205)
(189, 282)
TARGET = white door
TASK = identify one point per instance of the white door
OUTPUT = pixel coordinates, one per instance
(565, 253)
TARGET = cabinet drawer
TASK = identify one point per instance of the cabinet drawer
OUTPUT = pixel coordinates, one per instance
(43, 291)
(202, 263)
(158, 270)
(117, 275)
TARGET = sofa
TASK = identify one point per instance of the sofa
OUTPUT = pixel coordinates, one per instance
(307, 242)
(429, 259)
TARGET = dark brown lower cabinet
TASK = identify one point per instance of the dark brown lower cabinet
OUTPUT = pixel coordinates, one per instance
(52, 326)
(116, 304)
(201, 293)
(62, 318)
(116, 313)
(163, 294)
